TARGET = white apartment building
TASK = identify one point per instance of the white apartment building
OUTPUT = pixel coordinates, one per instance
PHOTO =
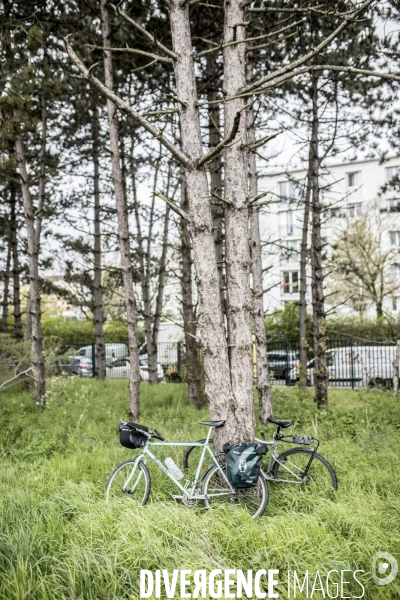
(350, 190)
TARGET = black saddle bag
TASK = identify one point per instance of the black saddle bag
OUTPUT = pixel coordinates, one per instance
(130, 435)
(243, 462)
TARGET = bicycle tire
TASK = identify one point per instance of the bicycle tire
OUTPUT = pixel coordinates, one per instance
(280, 472)
(113, 480)
(247, 497)
(188, 452)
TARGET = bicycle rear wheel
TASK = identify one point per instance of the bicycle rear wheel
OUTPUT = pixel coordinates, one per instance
(129, 483)
(253, 500)
(303, 466)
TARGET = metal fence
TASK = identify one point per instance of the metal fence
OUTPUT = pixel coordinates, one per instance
(350, 363)
(81, 359)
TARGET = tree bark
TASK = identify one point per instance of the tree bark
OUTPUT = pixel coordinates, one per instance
(263, 381)
(97, 257)
(33, 237)
(145, 270)
(218, 388)
(319, 326)
(16, 268)
(4, 318)
(215, 170)
(303, 272)
(123, 230)
(28, 319)
(194, 369)
(239, 303)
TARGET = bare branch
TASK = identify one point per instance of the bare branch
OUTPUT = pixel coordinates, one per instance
(134, 51)
(258, 197)
(314, 52)
(207, 157)
(257, 143)
(142, 30)
(172, 205)
(154, 131)
(215, 195)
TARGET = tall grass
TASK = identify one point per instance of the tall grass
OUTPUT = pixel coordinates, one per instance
(59, 540)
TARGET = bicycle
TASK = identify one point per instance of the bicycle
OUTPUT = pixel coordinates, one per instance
(132, 478)
(299, 465)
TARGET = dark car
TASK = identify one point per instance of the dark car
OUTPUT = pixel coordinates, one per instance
(282, 362)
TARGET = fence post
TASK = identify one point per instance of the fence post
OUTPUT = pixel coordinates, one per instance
(287, 370)
(179, 359)
(396, 369)
(93, 360)
(352, 363)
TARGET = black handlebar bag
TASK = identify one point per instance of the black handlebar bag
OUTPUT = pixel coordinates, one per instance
(130, 435)
(243, 463)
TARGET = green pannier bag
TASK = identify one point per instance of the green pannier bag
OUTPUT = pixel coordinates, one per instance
(243, 463)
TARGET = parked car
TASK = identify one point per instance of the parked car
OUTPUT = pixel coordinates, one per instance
(78, 365)
(120, 369)
(281, 362)
(113, 351)
(355, 365)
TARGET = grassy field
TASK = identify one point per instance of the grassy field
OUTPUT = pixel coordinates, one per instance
(59, 540)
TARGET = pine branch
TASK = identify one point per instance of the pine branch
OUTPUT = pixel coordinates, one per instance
(257, 143)
(183, 214)
(156, 57)
(235, 128)
(314, 52)
(142, 30)
(154, 131)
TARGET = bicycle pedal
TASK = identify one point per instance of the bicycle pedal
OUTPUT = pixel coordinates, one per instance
(177, 497)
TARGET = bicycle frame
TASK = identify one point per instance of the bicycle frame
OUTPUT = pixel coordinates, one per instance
(275, 458)
(190, 493)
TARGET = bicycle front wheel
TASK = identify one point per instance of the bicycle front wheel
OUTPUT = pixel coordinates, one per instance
(302, 465)
(216, 489)
(128, 482)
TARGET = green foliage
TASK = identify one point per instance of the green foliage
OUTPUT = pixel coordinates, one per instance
(82, 331)
(60, 540)
(285, 324)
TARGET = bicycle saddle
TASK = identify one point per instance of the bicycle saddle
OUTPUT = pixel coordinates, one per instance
(213, 423)
(280, 423)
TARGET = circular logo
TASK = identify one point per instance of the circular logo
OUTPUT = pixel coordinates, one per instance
(384, 568)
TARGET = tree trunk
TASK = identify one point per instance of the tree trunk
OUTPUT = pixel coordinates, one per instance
(162, 271)
(218, 388)
(16, 269)
(97, 283)
(33, 236)
(145, 271)
(194, 370)
(319, 326)
(4, 318)
(215, 170)
(28, 319)
(263, 382)
(123, 230)
(303, 272)
(239, 303)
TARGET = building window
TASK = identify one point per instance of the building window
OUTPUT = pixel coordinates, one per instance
(354, 210)
(290, 251)
(353, 179)
(290, 282)
(394, 205)
(396, 303)
(392, 172)
(395, 271)
(394, 238)
(287, 192)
